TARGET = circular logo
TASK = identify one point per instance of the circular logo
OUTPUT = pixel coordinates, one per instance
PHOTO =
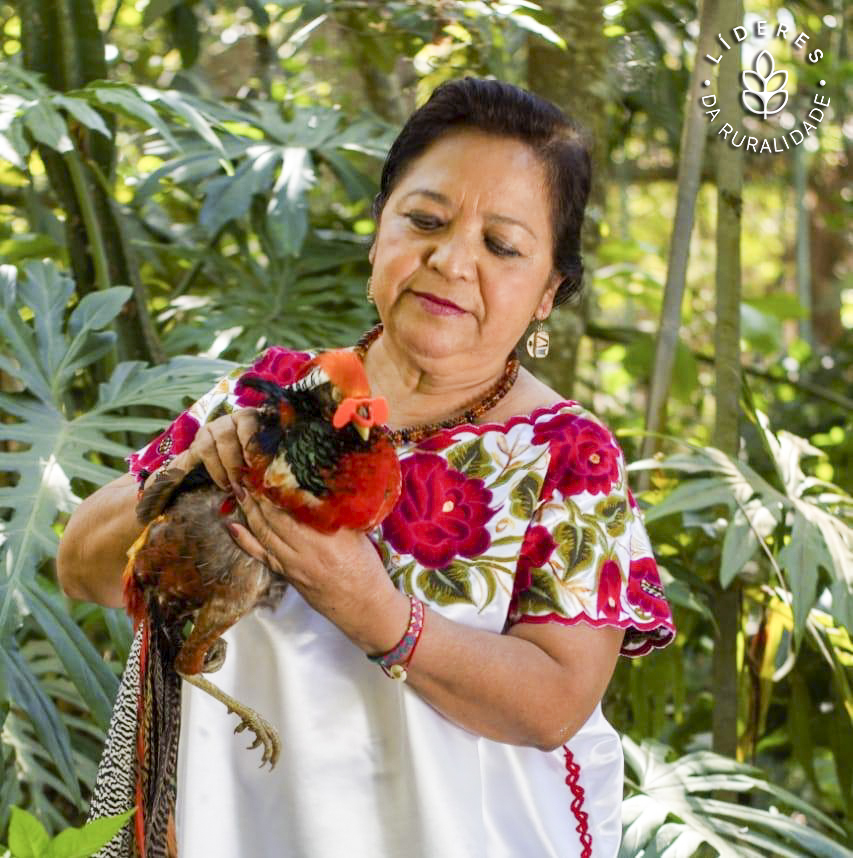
(764, 88)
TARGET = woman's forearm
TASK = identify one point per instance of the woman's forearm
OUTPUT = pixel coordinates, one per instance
(503, 686)
(93, 549)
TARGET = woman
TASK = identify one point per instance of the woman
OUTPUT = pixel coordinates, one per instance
(515, 529)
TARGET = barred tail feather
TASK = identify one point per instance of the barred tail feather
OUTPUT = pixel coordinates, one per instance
(138, 767)
(159, 719)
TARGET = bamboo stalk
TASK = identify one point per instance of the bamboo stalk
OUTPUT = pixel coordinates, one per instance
(689, 176)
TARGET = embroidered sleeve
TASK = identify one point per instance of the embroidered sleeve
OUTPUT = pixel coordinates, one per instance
(275, 364)
(586, 555)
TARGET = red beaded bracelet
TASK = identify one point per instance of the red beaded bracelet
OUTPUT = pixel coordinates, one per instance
(396, 661)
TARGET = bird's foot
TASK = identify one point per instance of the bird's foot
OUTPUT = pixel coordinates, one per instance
(214, 658)
(265, 733)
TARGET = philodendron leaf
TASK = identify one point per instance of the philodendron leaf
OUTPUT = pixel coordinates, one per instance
(666, 792)
(86, 841)
(24, 688)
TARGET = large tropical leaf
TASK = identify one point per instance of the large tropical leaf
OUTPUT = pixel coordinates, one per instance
(669, 813)
(46, 350)
(809, 510)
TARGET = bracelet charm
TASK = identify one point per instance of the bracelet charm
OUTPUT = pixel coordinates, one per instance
(396, 661)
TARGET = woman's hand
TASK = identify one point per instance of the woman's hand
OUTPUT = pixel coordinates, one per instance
(219, 446)
(339, 574)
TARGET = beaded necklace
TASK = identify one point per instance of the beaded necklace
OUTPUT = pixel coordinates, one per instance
(416, 433)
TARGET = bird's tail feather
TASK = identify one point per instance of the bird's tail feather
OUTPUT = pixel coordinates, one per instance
(158, 731)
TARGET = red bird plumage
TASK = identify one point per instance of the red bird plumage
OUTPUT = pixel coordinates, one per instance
(321, 454)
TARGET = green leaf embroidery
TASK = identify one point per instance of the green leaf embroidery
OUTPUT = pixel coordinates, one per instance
(507, 475)
(402, 572)
(219, 410)
(491, 583)
(542, 596)
(575, 545)
(470, 458)
(384, 551)
(447, 586)
(613, 511)
(524, 496)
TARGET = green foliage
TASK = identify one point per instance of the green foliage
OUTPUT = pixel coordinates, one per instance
(29, 839)
(49, 444)
(669, 814)
(805, 516)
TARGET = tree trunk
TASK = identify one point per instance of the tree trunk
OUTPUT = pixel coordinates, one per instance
(689, 173)
(61, 40)
(574, 80)
(729, 161)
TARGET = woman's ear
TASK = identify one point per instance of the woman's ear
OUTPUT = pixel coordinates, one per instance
(371, 252)
(547, 301)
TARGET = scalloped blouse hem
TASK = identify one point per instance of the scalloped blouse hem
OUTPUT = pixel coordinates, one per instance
(641, 638)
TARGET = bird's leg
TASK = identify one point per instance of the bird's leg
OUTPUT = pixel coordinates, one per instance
(204, 648)
(265, 734)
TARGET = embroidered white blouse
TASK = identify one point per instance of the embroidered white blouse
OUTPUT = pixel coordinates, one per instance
(526, 521)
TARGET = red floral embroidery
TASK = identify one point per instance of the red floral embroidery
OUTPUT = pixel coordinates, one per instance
(537, 547)
(277, 364)
(584, 456)
(609, 588)
(175, 439)
(645, 590)
(440, 513)
(573, 774)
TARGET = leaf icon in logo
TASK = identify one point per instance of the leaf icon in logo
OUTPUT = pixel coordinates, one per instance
(760, 90)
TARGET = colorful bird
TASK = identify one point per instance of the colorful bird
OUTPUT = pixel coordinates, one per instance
(320, 453)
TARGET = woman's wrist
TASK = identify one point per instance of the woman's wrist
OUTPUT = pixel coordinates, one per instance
(382, 623)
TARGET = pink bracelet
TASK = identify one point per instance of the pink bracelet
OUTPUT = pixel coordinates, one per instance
(396, 660)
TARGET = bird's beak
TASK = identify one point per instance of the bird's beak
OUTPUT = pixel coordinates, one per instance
(362, 412)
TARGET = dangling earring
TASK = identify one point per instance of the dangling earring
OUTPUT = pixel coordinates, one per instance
(538, 342)
(370, 289)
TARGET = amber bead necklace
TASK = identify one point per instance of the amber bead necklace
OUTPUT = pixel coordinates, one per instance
(494, 395)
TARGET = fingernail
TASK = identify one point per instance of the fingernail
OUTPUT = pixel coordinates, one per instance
(239, 491)
(232, 529)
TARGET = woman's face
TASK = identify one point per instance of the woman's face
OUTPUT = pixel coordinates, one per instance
(468, 222)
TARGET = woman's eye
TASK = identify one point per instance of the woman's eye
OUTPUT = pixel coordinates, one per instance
(422, 221)
(500, 248)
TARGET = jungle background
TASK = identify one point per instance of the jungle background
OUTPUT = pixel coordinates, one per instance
(183, 183)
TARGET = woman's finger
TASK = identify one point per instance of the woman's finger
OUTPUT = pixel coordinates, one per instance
(246, 540)
(229, 450)
(262, 530)
(245, 421)
(204, 447)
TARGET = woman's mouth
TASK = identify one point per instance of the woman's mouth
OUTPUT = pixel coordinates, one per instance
(438, 306)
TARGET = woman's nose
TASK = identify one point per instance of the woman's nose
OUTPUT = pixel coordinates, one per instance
(454, 254)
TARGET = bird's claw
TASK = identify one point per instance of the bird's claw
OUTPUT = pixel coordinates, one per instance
(265, 735)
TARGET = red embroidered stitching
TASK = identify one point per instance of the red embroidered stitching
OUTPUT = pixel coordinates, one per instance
(581, 816)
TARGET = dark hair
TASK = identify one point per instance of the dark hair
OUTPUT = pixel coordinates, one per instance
(510, 111)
